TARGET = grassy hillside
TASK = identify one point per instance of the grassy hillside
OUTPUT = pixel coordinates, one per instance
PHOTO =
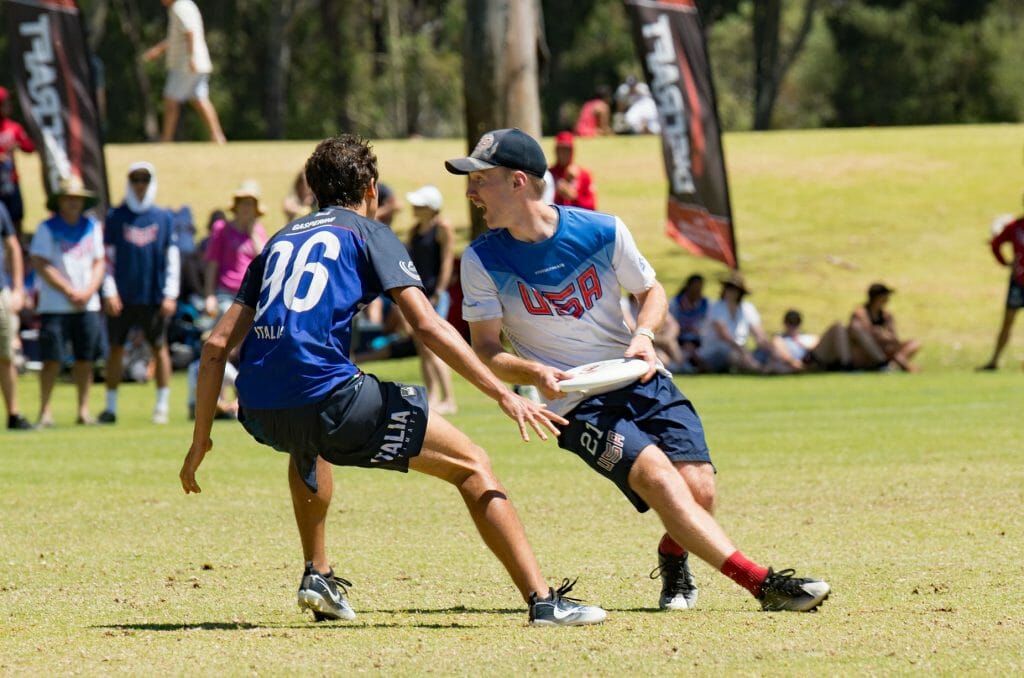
(819, 214)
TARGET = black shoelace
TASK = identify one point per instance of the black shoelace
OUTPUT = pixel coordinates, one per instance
(675, 573)
(564, 589)
(783, 582)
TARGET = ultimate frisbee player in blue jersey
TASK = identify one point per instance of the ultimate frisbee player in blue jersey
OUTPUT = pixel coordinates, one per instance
(299, 392)
(548, 279)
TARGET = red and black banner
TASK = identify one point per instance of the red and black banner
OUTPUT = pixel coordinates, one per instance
(670, 42)
(51, 66)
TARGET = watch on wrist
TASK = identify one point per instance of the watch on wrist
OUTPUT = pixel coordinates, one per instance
(645, 332)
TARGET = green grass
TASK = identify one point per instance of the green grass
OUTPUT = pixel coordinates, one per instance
(820, 214)
(904, 491)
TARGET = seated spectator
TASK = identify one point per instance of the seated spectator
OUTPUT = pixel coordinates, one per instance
(595, 118)
(689, 309)
(642, 117)
(573, 184)
(873, 339)
(731, 322)
(794, 351)
(300, 201)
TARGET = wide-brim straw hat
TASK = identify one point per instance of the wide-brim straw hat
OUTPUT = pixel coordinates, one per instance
(248, 189)
(73, 187)
(736, 279)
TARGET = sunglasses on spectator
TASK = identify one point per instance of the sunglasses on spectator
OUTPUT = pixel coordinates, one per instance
(139, 179)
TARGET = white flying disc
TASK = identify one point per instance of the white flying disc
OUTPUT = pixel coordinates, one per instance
(604, 374)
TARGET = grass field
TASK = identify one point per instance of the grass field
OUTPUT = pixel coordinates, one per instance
(820, 214)
(904, 491)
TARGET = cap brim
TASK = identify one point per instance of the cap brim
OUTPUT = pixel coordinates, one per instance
(467, 165)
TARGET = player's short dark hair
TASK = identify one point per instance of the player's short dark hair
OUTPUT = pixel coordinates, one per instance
(340, 170)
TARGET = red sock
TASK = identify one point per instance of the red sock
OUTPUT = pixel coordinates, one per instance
(669, 547)
(746, 573)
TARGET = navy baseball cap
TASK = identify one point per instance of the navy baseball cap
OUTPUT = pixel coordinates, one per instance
(512, 148)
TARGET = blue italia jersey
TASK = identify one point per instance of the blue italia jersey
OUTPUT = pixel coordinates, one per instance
(559, 299)
(306, 286)
(141, 243)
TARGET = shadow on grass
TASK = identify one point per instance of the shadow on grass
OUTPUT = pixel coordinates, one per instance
(248, 626)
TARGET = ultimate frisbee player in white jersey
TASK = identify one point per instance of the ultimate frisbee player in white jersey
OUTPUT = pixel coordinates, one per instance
(299, 392)
(548, 278)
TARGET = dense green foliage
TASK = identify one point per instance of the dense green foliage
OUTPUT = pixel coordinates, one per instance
(393, 68)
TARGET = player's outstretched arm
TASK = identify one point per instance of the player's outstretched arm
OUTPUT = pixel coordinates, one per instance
(226, 335)
(486, 339)
(443, 339)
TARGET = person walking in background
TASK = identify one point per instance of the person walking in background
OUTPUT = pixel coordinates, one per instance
(1012, 233)
(12, 298)
(573, 184)
(142, 284)
(232, 245)
(188, 68)
(595, 118)
(12, 136)
(873, 339)
(300, 393)
(67, 254)
(548, 279)
(432, 248)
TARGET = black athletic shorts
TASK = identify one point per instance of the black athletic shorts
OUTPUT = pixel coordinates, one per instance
(149, 319)
(83, 330)
(364, 422)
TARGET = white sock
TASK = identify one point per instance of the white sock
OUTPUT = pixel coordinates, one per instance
(112, 400)
(163, 398)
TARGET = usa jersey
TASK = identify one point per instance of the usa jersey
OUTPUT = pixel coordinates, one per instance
(306, 286)
(558, 300)
(141, 245)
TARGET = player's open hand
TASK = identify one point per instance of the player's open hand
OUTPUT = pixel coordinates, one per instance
(536, 415)
(193, 459)
(642, 348)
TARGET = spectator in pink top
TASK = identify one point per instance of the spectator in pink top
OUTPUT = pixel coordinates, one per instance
(232, 245)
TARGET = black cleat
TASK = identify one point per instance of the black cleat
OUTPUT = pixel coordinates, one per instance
(678, 588)
(782, 591)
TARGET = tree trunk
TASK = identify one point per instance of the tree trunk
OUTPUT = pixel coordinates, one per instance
(770, 65)
(279, 51)
(131, 26)
(500, 72)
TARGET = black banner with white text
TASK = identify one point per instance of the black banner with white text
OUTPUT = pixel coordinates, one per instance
(51, 67)
(670, 42)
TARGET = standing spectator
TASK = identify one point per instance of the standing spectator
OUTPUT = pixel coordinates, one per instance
(689, 308)
(142, 289)
(432, 248)
(12, 297)
(12, 135)
(388, 204)
(300, 201)
(188, 68)
(595, 117)
(67, 253)
(1012, 233)
(232, 246)
(731, 322)
(573, 184)
(873, 338)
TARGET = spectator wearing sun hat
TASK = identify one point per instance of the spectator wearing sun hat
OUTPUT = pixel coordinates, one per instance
(573, 184)
(232, 245)
(431, 246)
(12, 135)
(68, 256)
(730, 324)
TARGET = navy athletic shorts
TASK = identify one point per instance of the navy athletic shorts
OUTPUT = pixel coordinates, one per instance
(1015, 295)
(364, 422)
(609, 431)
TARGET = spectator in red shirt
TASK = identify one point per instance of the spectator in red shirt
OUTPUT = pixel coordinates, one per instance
(573, 184)
(595, 117)
(1012, 233)
(12, 135)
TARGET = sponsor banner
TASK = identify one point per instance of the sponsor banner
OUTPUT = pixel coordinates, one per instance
(670, 42)
(51, 67)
